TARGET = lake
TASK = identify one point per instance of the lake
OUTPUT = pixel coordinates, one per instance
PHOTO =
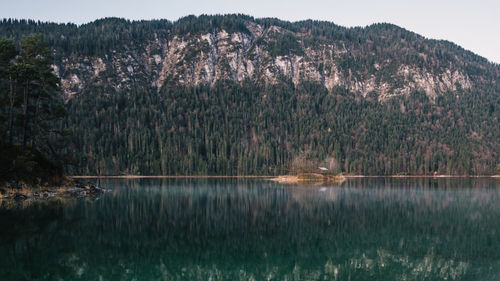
(255, 229)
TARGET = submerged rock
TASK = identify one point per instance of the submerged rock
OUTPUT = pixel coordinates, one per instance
(20, 196)
(90, 188)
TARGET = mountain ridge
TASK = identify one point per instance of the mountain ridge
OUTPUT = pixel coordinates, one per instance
(378, 99)
(329, 63)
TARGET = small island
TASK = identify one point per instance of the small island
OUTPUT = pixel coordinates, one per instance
(307, 168)
(309, 177)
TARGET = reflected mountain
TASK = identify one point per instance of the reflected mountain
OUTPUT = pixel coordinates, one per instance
(233, 229)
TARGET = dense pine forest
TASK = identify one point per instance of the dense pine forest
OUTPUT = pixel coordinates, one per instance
(234, 95)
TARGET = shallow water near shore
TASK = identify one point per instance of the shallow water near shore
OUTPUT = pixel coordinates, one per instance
(256, 229)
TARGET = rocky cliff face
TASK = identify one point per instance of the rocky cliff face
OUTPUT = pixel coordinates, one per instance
(267, 53)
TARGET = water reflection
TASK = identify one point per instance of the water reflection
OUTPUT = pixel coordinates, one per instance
(363, 229)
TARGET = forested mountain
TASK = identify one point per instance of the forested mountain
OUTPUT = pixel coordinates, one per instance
(235, 95)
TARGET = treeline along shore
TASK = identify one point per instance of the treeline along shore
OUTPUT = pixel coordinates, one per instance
(215, 95)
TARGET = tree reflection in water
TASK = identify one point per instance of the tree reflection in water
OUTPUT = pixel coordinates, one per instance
(229, 229)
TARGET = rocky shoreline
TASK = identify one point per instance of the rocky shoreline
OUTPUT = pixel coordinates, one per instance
(21, 191)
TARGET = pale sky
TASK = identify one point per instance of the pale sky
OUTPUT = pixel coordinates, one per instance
(472, 24)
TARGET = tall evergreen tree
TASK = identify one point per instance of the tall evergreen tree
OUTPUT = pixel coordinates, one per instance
(31, 107)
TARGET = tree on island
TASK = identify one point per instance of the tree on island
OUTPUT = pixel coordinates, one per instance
(306, 162)
(30, 108)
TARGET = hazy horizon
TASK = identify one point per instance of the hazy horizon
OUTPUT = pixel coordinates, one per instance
(472, 25)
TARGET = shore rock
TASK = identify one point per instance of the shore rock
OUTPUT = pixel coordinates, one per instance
(20, 191)
(20, 196)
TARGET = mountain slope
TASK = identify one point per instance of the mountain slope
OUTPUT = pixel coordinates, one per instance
(237, 95)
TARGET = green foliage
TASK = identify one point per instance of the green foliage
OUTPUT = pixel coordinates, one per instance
(284, 44)
(208, 24)
(28, 165)
(8, 52)
(30, 106)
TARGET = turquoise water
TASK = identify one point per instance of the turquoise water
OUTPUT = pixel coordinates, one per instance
(204, 229)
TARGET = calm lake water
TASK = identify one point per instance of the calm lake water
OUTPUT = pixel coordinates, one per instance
(230, 229)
